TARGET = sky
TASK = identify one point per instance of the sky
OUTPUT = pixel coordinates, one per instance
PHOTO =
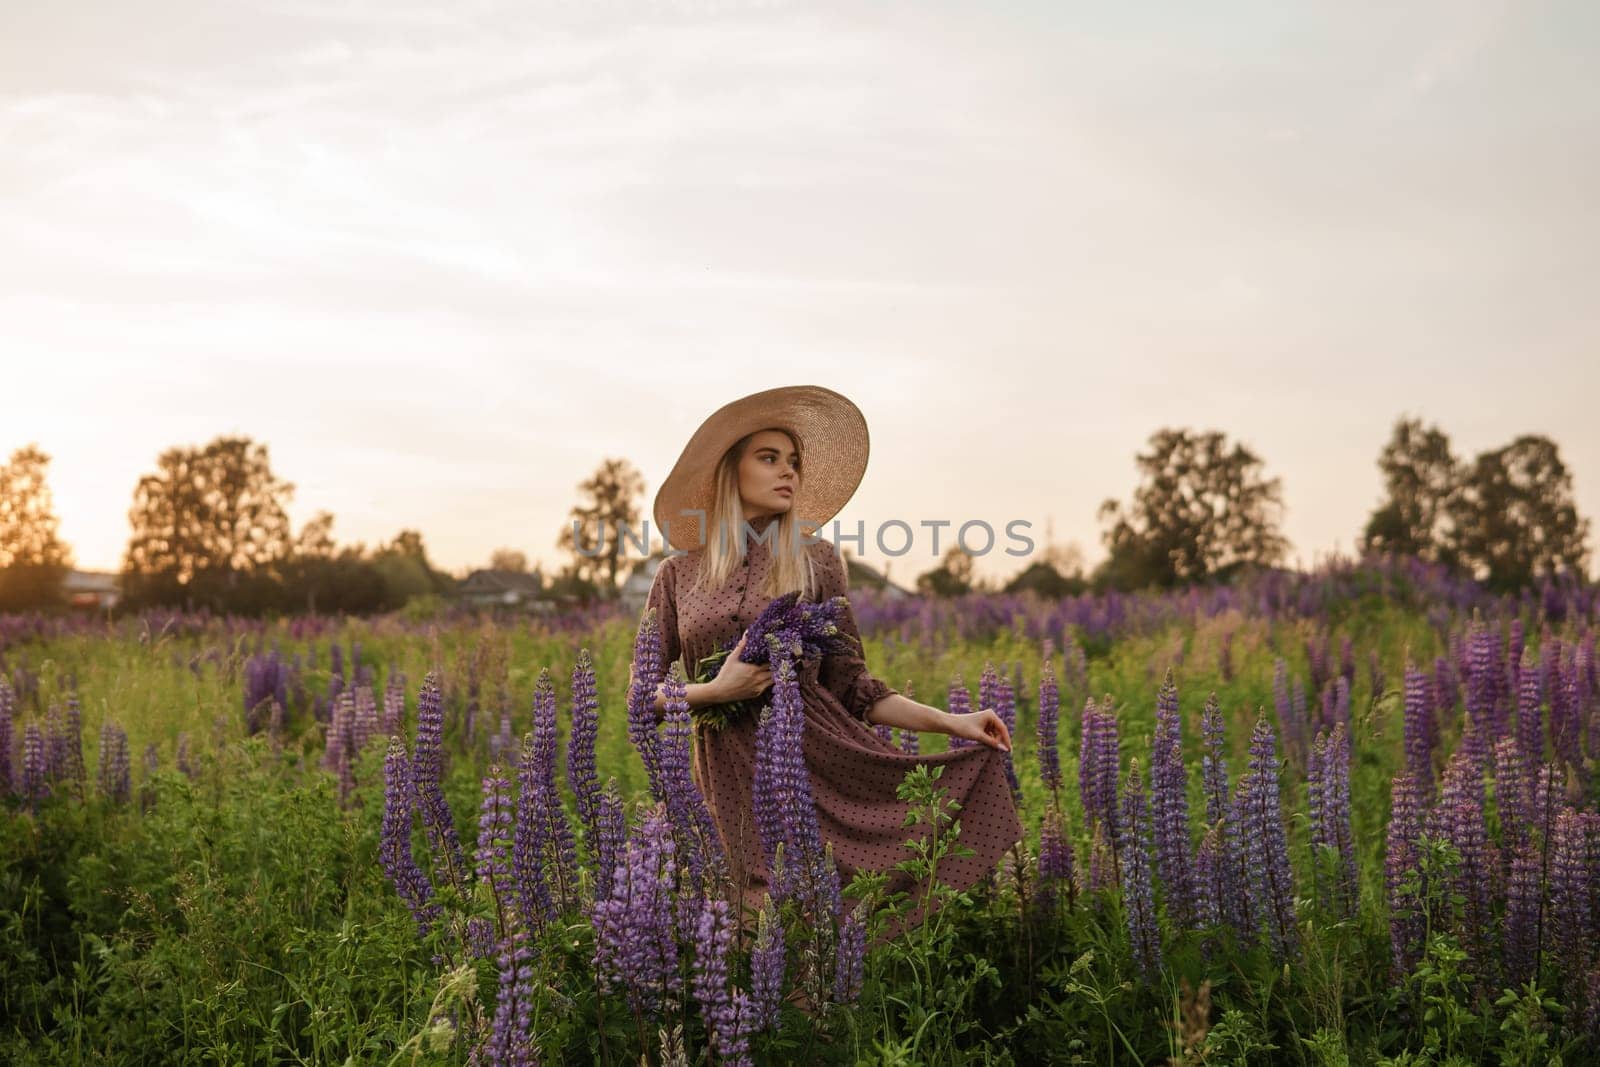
(445, 258)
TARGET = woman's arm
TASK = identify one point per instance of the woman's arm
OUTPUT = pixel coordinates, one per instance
(901, 711)
(700, 694)
(897, 709)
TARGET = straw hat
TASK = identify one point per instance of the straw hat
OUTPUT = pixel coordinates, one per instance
(832, 434)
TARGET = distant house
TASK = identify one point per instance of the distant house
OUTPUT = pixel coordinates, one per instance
(502, 589)
(99, 590)
(859, 575)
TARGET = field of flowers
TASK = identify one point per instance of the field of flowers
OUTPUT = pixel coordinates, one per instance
(1345, 817)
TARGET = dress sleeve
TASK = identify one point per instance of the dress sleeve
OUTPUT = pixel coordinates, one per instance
(664, 599)
(845, 674)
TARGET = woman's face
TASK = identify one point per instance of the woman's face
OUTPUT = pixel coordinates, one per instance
(769, 474)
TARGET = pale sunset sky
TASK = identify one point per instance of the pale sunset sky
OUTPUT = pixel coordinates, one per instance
(444, 258)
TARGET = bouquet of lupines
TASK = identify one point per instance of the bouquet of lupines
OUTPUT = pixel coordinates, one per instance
(788, 628)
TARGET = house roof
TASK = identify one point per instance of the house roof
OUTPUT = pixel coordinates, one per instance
(90, 582)
(491, 581)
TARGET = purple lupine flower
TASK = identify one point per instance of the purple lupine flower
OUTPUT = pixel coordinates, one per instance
(364, 721)
(1049, 719)
(427, 776)
(1266, 844)
(1137, 900)
(697, 833)
(959, 702)
(394, 850)
(910, 742)
(1515, 648)
(394, 704)
(494, 834)
(477, 939)
(1101, 873)
(989, 687)
(1523, 897)
(849, 958)
(1291, 717)
(582, 776)
(500, 741)
(561, 851)
(1400, 860)
(1098, 767)
(1567, 729)
(1570, 897)
(8, 709)
(884, 732)
(1482, 664)
(1005, 706)
(1337, 794)
(1418, 727)
(511, 1040)
(1347, 660)
(636, 944)
(1512, 792)
(1300, 704)
(181, 758)
(1226, 882)
(1375, 674)
(1317, 660)
(340, 747)
(55, 744)
(1056, 864)
(766, 971)
(1445, 693)
(35, 774)
(530, 848)
(266, 680)
(726, 1026)
(766, 802)
(808, 867)
(1329, 791)
(1591, 822)
(73, 768)
(611, 833)
(648, 671)
(115, 782)
(1169, 802)
(1458, 817)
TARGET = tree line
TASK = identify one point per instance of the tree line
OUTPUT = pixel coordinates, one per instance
(210, 528)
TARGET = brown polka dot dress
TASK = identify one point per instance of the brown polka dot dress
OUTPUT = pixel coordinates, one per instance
(854, 773)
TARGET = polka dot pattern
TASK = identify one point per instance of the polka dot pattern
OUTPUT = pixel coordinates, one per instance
(854, 773)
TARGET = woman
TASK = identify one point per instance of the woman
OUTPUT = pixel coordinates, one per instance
(757, 468)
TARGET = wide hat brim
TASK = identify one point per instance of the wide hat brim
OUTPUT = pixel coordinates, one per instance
(833, 445)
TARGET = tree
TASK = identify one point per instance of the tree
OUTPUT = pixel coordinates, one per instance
(509, 559)
(1045, 579)
(1203, 511)
(406, 571)
(209, 522)
(1514, 516)
(599, 520)
(1421, 477)
(316, 538)
(33, 559)
(952, 577)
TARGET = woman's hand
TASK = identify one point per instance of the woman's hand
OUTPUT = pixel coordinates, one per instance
(738, 680)
(984, 726)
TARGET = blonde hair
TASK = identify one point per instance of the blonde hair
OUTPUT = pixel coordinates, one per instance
(792, 567)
